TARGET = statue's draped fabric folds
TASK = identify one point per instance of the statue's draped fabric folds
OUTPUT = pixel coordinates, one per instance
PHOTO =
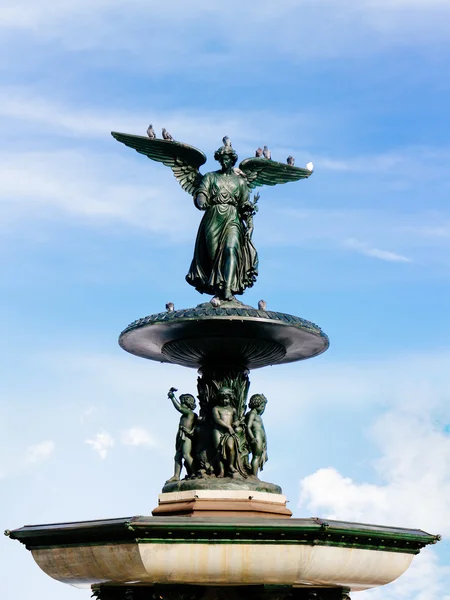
(224, 255)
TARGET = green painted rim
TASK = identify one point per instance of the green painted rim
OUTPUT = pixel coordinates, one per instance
(200, 530)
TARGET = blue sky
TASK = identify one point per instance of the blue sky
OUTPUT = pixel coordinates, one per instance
(94, 236)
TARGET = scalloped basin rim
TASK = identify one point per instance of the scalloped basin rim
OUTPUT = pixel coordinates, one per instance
(237, 335)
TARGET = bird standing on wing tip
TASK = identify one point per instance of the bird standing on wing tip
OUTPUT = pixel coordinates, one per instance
(226, 141)
(310, 166)
(290, 160)
(166, 135)
(262, 305)
(151, 134)
(258, 152)
(170, 307)
(266, 153)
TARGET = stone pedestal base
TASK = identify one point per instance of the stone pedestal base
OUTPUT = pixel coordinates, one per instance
(222, 503)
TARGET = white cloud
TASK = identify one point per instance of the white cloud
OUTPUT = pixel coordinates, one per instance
(409, 482)
(368, 26)
(385, 255)
(101, 443)
(414, 468)
(375, 252)
(69, 184)
(25, 111)
(137, 436)
(39, 452)
(426, 579)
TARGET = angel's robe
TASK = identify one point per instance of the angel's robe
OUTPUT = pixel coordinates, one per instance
(224, 257)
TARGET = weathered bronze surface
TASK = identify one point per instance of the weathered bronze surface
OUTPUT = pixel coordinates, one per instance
(225, 261)
(256, 434)
(232, 333)
(184, 451)
(215, 445)
(225, 445)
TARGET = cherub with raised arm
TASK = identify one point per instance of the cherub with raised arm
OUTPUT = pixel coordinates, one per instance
(185, 435)
(256, 433)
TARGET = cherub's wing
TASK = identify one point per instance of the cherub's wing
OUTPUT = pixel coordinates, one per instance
(184, 160)
(262, 171)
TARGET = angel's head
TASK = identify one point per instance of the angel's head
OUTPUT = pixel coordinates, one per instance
(226, 156)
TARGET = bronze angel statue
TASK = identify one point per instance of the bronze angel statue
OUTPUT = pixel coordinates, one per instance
(225, 261)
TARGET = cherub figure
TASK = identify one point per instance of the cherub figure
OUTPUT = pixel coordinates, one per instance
(224, 436)
(228, 437)
(185, 435)
(256, 433)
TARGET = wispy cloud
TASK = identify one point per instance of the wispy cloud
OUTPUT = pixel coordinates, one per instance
(26, 111)
(88, 186)
(375, 252)
(378, 23)
(39, 452)
(102, 442)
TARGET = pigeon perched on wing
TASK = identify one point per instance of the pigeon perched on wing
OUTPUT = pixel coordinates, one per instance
(262, 305)
(266, 153)
(226, 142)
(151, 134)
(290, 161)
(166, 135)
(310, 166)
(258, 152)
(170, 306)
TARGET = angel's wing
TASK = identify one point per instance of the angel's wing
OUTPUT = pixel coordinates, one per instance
(184, 160)
(261, 171)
